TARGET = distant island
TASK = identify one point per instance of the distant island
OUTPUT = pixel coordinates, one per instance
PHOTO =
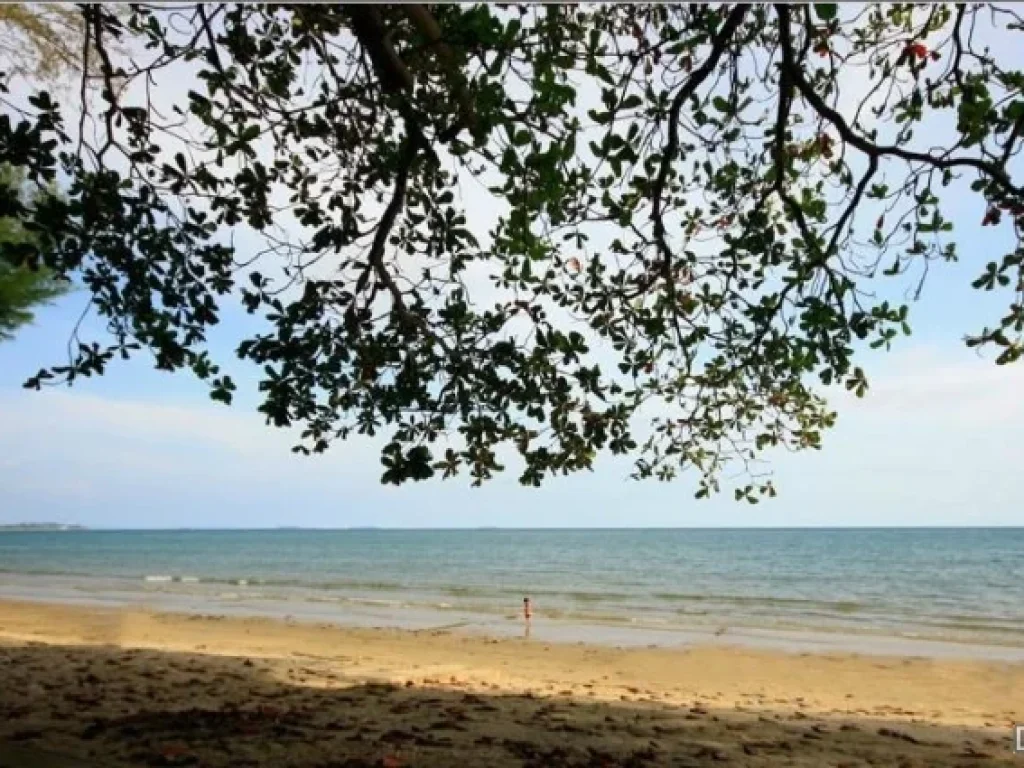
(42, 527)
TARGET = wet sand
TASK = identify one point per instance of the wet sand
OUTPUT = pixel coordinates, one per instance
(130, 687)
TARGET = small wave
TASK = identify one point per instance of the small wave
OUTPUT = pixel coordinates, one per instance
(306, 584)
(1011, 621)
(159, 578)
(466, 591)
(51, 572)
(679, 596)
(838, 606)
(563, 596)
(369, 601)
(187, 579)
(593, 597)
(982, 626)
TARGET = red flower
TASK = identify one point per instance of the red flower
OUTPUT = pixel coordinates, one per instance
(917, 51)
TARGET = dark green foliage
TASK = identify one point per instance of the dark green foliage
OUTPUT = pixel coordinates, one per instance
(690, 205)
(21, 289)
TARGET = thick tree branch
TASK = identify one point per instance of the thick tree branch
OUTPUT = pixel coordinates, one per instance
(786, 86)
(407, 157)
(958, 45)
(94, 16)
(412, 144)
(427, 26)
(372, 35)
(693, 82)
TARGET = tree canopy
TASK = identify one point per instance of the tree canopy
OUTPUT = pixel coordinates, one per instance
(22, 289)
(551, 231)
(45, 41)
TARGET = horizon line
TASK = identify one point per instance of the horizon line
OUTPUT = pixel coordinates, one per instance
(86, 527)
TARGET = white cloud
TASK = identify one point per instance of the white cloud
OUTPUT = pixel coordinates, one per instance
(138, 421)
(962, 391)
(933, 443)
(113, 457)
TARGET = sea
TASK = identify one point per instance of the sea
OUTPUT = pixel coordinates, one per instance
(898, 590)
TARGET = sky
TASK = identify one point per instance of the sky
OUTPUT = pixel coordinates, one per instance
(935, 442)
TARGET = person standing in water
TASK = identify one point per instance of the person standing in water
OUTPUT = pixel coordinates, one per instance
(527, 613)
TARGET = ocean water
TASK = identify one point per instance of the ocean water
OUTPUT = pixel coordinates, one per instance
(961, 585)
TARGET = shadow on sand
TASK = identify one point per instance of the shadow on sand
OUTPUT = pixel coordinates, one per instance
(107, 706)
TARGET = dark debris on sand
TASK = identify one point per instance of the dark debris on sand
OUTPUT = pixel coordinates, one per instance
(149, 708)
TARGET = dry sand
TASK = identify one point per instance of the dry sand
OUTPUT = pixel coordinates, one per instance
(127, 687)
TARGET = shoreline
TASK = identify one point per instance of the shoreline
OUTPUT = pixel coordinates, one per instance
(374, 614)
(882, 592)
(122, 682)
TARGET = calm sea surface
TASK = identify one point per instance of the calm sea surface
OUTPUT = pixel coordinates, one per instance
(954, 584)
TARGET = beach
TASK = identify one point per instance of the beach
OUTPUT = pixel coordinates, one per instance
(129, 686)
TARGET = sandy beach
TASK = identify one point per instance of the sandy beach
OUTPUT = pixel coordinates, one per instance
(113, 687)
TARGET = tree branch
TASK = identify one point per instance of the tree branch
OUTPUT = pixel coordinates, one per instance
(718, 45)
(407, 157)
(369, 29)
(427, 26)
(994, 171)
(693, 82)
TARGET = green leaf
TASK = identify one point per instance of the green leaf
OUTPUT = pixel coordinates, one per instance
(632, 101)
(826, 11)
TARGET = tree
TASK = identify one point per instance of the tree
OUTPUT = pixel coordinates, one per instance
(41, 40)
(690, 214)
(21, 288)
(45, 41)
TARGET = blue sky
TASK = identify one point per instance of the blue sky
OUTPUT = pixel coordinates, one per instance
(936, 442)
